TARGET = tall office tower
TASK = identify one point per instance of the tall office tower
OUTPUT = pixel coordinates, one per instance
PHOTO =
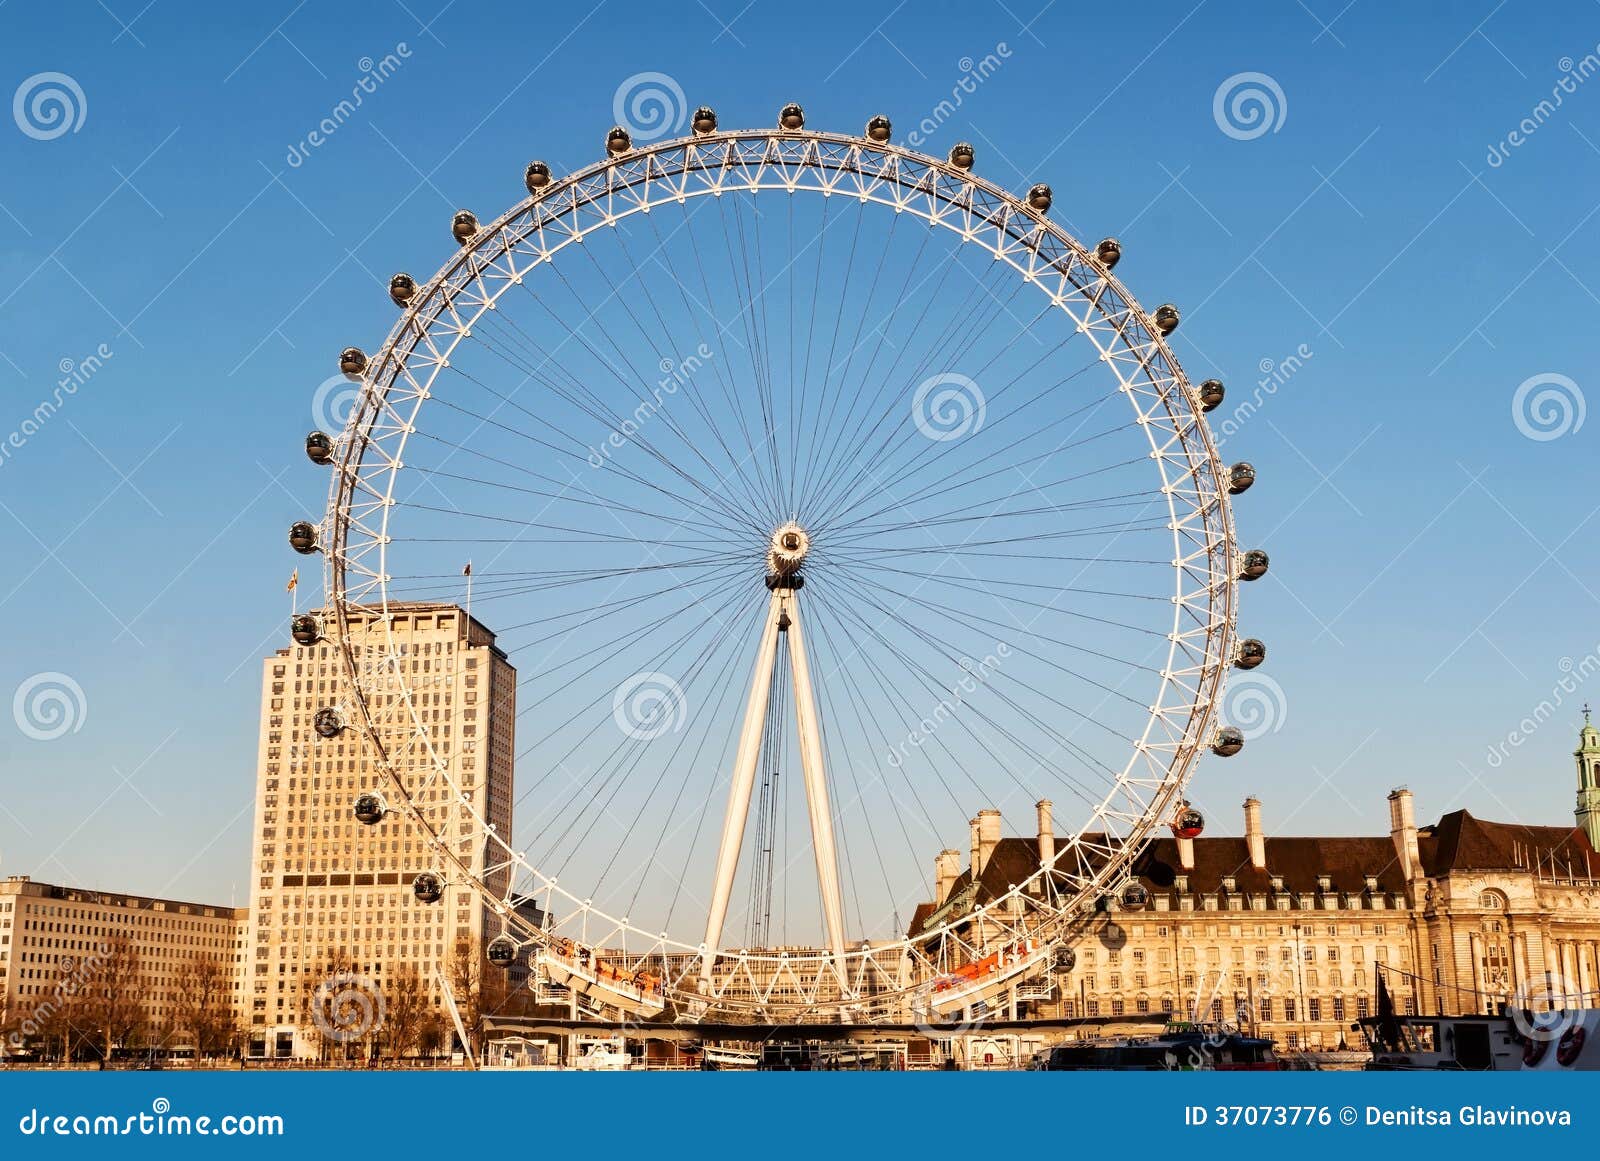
(332, 902)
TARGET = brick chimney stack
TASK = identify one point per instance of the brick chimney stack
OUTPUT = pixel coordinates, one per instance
(1047, 833)
(1253, 836)
(1403, 830)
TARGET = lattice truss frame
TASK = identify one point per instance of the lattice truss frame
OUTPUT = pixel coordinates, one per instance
(878, 980)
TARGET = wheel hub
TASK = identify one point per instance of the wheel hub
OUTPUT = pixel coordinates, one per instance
(787, 549)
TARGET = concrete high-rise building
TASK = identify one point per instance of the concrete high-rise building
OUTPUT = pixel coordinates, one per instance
(331, 896)
(81, 967)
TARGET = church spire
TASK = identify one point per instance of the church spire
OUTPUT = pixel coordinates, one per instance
(1587, 756)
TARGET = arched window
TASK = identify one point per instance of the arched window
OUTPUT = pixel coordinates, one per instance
(1492, 901)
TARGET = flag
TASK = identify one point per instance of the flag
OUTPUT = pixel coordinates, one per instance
(468, 570)
(294, 582)
(1388, 1022)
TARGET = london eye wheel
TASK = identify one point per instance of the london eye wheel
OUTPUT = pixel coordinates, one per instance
(821, 495)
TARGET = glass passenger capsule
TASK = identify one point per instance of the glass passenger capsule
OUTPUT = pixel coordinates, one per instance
(1189, 823)
(305, 628)
(353, 362)
(1228, 742)
(369, 808)
(402, 288)
(328, 722)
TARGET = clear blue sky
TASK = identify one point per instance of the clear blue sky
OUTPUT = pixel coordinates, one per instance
(1432, 565)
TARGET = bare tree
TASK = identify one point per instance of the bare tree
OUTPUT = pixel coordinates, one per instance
(478, 992)
(431, 1039)
(343, 1010)
(406, 1010)
(55, 1023)
(114, 995)
(205, 1003)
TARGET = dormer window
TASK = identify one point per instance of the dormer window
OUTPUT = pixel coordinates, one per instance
(1277, 883)
(1180, 883)
(1372, 883)
(1324, 882)
(1229, 883)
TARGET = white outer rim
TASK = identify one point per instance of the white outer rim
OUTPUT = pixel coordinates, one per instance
(400, 376)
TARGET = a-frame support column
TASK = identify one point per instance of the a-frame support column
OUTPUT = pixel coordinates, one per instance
(783, 615)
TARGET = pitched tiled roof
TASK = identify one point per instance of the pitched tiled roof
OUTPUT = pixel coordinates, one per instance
(1299, 861)
(1461, 842)
(1457, 842)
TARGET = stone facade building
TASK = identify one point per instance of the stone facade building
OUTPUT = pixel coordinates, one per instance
(1288, 935)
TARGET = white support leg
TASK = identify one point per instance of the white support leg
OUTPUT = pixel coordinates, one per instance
(810, 734)
(744, 779)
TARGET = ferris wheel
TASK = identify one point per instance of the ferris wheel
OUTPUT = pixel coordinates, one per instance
(822, 495)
